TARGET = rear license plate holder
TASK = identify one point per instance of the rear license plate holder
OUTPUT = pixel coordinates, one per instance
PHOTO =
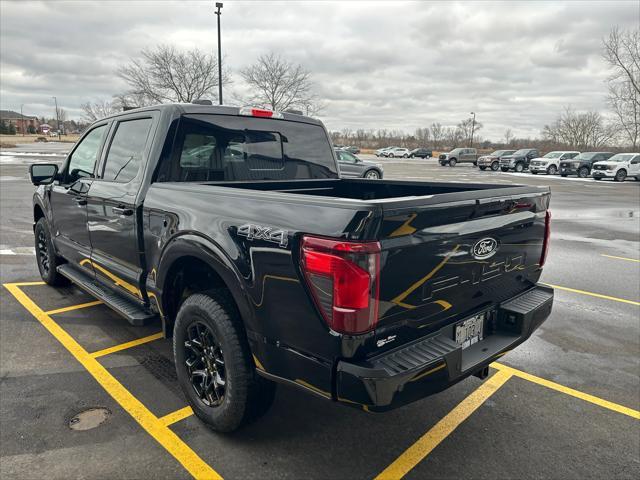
(469, 331)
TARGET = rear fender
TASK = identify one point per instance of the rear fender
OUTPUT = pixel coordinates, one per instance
(203, 249)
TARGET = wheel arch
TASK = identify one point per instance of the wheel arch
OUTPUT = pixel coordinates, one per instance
(192, 264)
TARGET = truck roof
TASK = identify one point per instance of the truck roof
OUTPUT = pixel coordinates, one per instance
(193, 108)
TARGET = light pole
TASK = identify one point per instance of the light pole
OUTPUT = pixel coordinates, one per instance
(21, 119)
(219, 13)
(473, 127)
(57, 116)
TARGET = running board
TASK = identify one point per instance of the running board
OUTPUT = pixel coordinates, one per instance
(135, 314)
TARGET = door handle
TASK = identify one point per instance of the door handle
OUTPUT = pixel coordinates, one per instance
(80, 200)
(122, 210)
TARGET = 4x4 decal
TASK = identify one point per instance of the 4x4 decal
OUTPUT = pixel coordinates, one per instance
(268, 234)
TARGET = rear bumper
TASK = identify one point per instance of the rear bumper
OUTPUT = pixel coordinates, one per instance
(435, 363)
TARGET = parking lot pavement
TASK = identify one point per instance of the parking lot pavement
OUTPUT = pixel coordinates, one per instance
(564, 404)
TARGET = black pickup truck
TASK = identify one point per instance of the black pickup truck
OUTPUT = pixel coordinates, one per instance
(235, 228)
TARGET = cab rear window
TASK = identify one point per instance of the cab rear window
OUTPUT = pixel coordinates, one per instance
(228, 148)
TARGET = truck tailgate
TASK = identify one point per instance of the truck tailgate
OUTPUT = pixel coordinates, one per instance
(442, 262)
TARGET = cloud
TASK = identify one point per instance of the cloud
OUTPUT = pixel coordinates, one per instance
(394, 65)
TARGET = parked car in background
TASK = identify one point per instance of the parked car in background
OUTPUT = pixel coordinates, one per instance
(381, 151)
(618, 167)
(550, 163)
(353, 167)
(459, 155)
(581, 165)
(352, 149)
(519, 160)
(493, 159)
(421, 153)
(397, 152)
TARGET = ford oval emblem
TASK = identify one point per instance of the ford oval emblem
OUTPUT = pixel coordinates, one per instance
(485, 248)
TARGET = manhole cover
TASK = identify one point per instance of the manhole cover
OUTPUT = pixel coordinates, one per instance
(89, 419)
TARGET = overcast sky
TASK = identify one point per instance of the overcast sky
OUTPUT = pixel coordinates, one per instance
(394, 65)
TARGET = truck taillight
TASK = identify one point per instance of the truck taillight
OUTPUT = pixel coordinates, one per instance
(547, 238)
(344, 280)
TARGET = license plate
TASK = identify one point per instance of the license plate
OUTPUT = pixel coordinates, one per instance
(469, 331)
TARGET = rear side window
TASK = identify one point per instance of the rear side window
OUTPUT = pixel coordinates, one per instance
(229, 148)
(126, 150)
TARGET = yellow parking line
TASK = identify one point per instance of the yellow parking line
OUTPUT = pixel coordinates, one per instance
(74, 307)
(569, 391)
(124, 346)
(147, 420)
(621, 258)
(591, 294)
(176, 416)
(441, 430)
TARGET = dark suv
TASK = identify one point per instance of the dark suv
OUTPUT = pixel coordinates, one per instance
(421, 152)
(519, 160)
(581, 165)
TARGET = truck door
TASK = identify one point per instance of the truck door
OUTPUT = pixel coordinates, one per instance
(68, 198)
(111, 205)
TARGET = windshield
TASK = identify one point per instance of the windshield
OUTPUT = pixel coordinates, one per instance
(524, 151)
(586, 156)
(621, 157)
(553, 155)
(497, 153)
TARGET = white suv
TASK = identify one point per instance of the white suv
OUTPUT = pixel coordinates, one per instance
(550, 163)
(398, 152)
(618, 167)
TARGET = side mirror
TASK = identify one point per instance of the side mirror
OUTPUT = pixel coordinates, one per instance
(43, 173)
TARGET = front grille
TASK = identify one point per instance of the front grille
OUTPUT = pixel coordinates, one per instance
(599, 167)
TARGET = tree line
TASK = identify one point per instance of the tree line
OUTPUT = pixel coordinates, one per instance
(165, 74)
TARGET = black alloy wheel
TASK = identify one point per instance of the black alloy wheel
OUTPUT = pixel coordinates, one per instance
(205, 364)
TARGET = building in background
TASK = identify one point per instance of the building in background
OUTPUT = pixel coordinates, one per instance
(23, 123)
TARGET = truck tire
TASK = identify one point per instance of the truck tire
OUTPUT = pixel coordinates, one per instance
(45, 256)
(504, 169)
(495, 166)
(214, 364)
(405, 156)
(391, 155)
(620, 175)
(519, 167)
(583, 172)
(552, 170)
(482, 168)
(452, 162)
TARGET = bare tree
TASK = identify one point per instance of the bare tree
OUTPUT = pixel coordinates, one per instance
(579, 130)
(278, 84)
(508, 136)
(437, 134)
(165, 74)
(98, 109)
(466, 126)
(621, 50)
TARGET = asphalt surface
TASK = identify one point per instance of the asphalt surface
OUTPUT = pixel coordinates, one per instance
(584, 425)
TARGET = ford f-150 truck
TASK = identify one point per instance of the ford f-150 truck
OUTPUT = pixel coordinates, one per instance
(234, 227)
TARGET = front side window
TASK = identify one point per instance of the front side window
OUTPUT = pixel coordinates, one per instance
(126, 150)
(346, 157)
(84, 157)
